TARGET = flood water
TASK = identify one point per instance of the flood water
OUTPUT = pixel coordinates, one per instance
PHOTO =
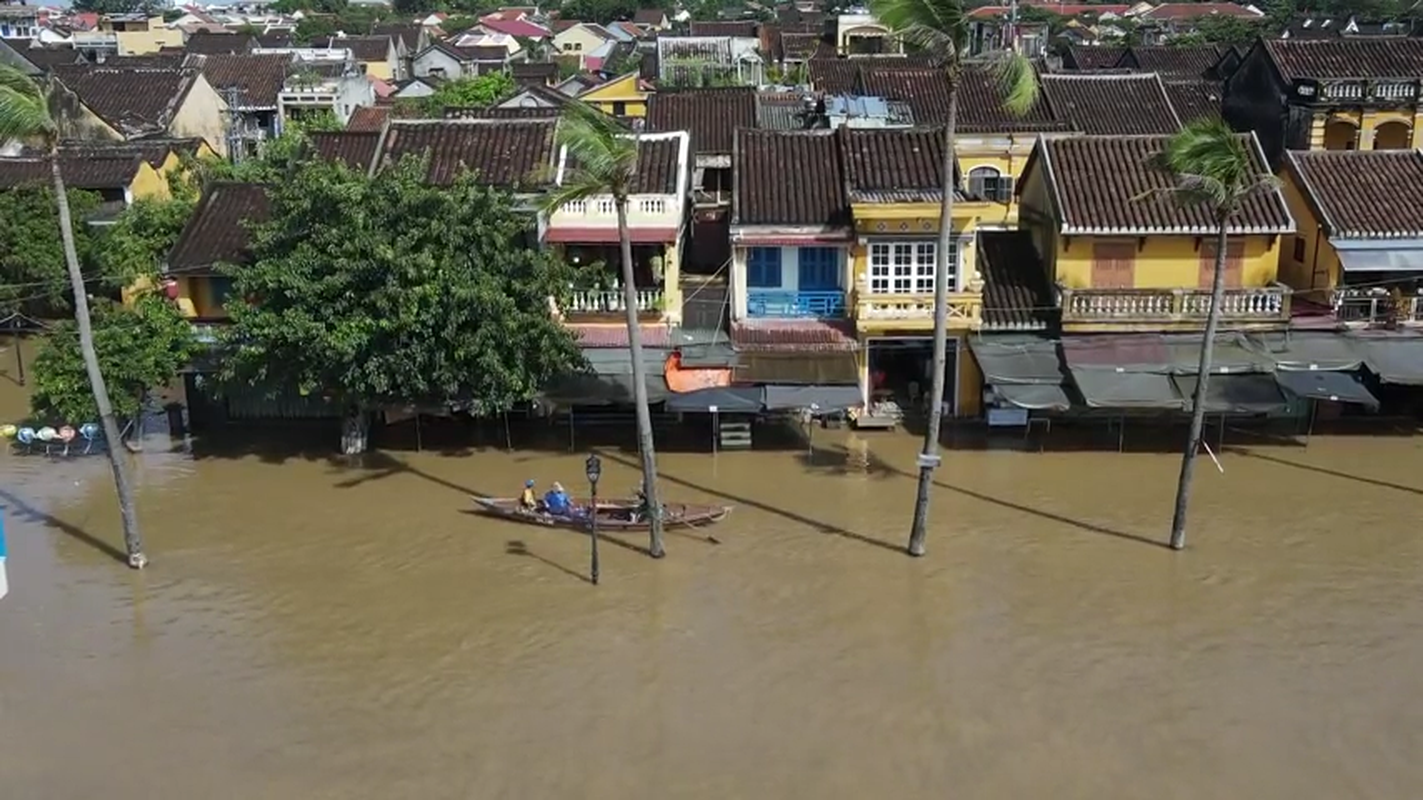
(311, 628)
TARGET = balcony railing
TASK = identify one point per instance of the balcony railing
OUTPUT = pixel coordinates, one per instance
(964, 307)
(1363, 307)
(710, 198)
(775, 303)
(1256, 305)
(612, 301)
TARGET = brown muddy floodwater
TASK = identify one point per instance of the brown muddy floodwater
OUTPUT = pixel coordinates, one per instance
(314, 629)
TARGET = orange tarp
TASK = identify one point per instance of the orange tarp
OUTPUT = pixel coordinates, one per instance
(680, 379)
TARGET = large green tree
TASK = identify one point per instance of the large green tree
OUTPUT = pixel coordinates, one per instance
(388, 290)
(602, 162)
(480, 92)
(1214, 170)
(940, 28)
(33, 274)
(140, 348)
(25, 115)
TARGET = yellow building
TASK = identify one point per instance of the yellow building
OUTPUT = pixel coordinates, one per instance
(623, 96)
(1125, 259)
(1329, 94)
(217, 234)
(378, 55)
(139, 34)
(1358, 250)
(131, 104)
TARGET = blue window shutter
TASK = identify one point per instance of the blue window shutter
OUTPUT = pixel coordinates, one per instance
(819, 269)
(763, 268)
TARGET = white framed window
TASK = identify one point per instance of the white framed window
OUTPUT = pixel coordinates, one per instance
(606, 206)
(653, 205)
(576, 207)
(906, 267)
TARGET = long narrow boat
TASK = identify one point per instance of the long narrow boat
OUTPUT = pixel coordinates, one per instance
(614, 515)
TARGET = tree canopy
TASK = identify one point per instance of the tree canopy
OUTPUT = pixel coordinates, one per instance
(480, 92)
(33, 274)
(139, 347)
(388, 290)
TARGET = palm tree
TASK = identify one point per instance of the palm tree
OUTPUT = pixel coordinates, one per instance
(25, 115)
(1213, 168)
(601, 159)
(940, 29)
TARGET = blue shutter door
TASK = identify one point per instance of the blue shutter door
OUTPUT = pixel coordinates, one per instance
(819, 269)
(763, 268)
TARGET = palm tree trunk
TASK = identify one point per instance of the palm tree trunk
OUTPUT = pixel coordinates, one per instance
(639, 386)
(930, 455)
(133, 543)
(1198, 402)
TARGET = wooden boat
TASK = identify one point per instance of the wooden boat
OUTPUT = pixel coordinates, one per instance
(613, 515)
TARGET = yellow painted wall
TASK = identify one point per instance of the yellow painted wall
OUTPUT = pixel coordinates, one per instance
(1366, 123)
(149, 183)
(1319, 268)
(1006, 153)
(585, 41)
(1167, 262)
(203, 115)
(138, 43)
(619, 90)
(383, 69)
(970, 382)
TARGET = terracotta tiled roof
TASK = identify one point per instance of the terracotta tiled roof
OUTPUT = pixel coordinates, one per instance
(368, 118)
(710, 115)
(132, 101)
(217, 233)
(658, 161)
(842, 75)
(1111, 104)
(258, 79)
(982, 108)
(534, 72)
(888, 165)
(1016, 292)
(742, 29)
(154, 151)
(1088, 57)
(925, 90)
(780, 111)
(518, 112)
(1108, 185)
(363, 48)
(355, 149)
(598, 336)
(505, 153)
(1171, 62)
(46, 57)
(81, 171)
(1366, 194)
(1382, 57)
(1195, 100)
(212, 44)
(788, 178)
(799, 335)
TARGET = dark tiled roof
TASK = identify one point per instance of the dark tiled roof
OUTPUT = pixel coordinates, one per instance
(368, 118)
(1195, 100)
(649, 16)
(1086, 57)
(534, 72)
(212, 44)
(1364, 194)
(81, 171)
(217, 233)
(742, 29)
(409, 35)
(657, 164)
(46, 57)
(132, 101)
(257, 79)
(796, 335)
(788, 178)
(842, 75)
(161, 60)
(1016, 291)
(804, 46)
(1107, 184)
(1118, 105)
(982, 108)
(505, 153)
(1173, 62)
(1347, 58)
(617, 335)
(153, 151)
(363, 48)
(710, 115)
(518, 112)
(780, 111)
(274, 39)
(355, 149)
(893, 165)
(924, 90)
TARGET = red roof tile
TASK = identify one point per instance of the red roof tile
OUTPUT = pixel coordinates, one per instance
(616, 335)
(355, 149)
(257, 79)
(368, 118)
(798, 335)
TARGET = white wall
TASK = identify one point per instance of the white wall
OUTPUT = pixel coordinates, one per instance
(790, 275)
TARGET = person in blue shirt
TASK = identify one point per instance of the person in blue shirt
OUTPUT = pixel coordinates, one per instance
(556, 502)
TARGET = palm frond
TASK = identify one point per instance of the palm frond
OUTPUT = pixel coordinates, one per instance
(581, 187)
(23, 110)
(1212, 165)
(939, 27)
(1017, 80)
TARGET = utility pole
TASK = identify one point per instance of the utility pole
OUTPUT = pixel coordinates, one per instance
(235, 138)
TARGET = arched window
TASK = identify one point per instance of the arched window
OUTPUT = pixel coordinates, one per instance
(1393, 136)
(990, 184)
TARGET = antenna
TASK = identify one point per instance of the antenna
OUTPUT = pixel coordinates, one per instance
(1012, 26)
